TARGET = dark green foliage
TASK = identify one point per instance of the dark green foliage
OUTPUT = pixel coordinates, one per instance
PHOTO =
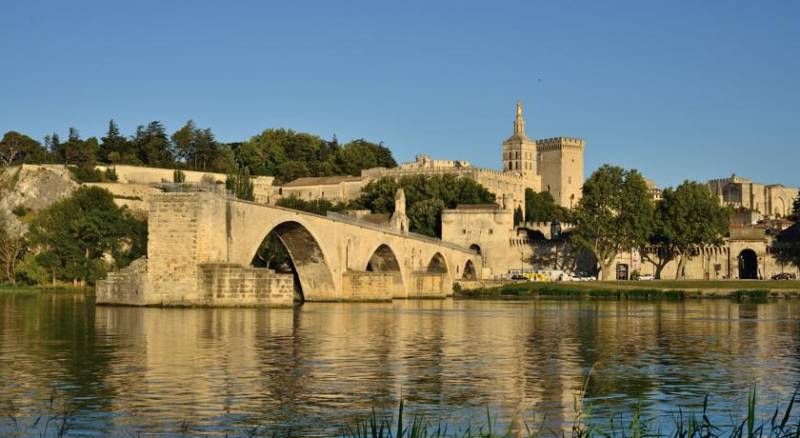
(240, 184)
(688, 217)
(614, 215)
(111, 174)
(20, 211)
(518, 216)
(273, 254)
(152, 146)
(85, 174)
(795, 215)
(289, 155)
(786, 246)
(199, 149)
(317, 206)
(178, 176)
(71, 238)
(16, 148)
(449, 190)
(541, 207)
(114, 148)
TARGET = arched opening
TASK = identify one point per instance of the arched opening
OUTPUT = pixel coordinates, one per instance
(475, 247)
(437, 264)
(383, 260)
(748, 265)
(469, 271)
(290, 247)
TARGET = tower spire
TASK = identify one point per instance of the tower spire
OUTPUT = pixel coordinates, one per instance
(519, 122)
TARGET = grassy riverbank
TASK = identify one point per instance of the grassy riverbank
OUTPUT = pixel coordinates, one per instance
(657, 289)
(24, 288)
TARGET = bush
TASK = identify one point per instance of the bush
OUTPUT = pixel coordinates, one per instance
(85, 174)
(456, 287)
(111, 174)
(20, 210)
(178, 176)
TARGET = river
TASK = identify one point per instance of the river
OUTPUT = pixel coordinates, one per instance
(316, 368)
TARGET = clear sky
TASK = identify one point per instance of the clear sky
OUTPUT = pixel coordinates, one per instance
(695, 89)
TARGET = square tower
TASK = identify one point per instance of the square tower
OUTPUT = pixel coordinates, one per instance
(560, 164)
(519, 154)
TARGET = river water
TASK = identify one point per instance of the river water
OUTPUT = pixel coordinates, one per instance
(123, 371)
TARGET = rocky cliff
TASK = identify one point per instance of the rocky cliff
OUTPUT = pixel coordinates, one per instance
(32, 188)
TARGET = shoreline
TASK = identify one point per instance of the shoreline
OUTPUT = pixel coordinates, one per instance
(637, 290)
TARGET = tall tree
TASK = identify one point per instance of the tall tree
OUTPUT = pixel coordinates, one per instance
(152, 146)
(16, 148)
(541, 207)
(687, 218)
(12, 248)
(614, 215)
(240, 184)
(115, 148)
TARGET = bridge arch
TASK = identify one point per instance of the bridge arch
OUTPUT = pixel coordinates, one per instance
(469, 271)
(437, 264)
(313, 273)
(383, 259)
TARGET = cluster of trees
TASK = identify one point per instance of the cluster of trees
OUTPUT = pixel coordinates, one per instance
(77, 239)
(282, 153)
(616, 214)
(426, 197)
(542, 207)
(787, 244)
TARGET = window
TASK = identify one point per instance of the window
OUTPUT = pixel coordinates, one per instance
(569, 180)
(491, 231)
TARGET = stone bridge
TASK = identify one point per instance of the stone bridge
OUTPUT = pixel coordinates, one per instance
(202, 246)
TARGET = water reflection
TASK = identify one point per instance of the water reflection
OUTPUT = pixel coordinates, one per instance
(129, 370)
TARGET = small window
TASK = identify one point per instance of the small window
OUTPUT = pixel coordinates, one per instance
(464, 231)
(569, 180)
(491, 231)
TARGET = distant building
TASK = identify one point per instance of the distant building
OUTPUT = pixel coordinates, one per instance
(769, 200)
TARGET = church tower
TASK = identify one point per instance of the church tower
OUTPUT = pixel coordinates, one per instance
(519, 154)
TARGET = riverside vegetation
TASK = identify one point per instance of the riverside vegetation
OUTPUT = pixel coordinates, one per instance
(782, 423)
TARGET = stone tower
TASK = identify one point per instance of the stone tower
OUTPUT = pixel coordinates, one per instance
(519, 154)
(561, 168)
(399, 220)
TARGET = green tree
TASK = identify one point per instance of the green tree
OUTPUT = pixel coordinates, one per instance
(425, 217)
(541, 207)
(316, 206)
(114, 148)
(378, 197)
(111, 174)
(12, 249)
(361, 154)
(152, 146)
(519, 217)
(240, 184)
(687, 218)
(795, 215)
(16, 148)
(614, 215)
(178, 176)
(73, 238)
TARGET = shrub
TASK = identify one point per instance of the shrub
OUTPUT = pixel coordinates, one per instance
(111, 174)
(178, 176)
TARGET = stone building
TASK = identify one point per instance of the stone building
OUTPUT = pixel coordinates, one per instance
(769, 200)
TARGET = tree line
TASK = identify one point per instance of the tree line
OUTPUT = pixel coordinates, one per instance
(282, 153)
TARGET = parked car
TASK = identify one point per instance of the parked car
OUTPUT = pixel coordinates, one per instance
(783, 276)
(519, 277)
(646, 278)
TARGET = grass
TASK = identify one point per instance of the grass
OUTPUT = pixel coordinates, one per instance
(644, 290)
(24, 288)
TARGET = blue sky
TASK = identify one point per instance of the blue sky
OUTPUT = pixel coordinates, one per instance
(675, 89)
